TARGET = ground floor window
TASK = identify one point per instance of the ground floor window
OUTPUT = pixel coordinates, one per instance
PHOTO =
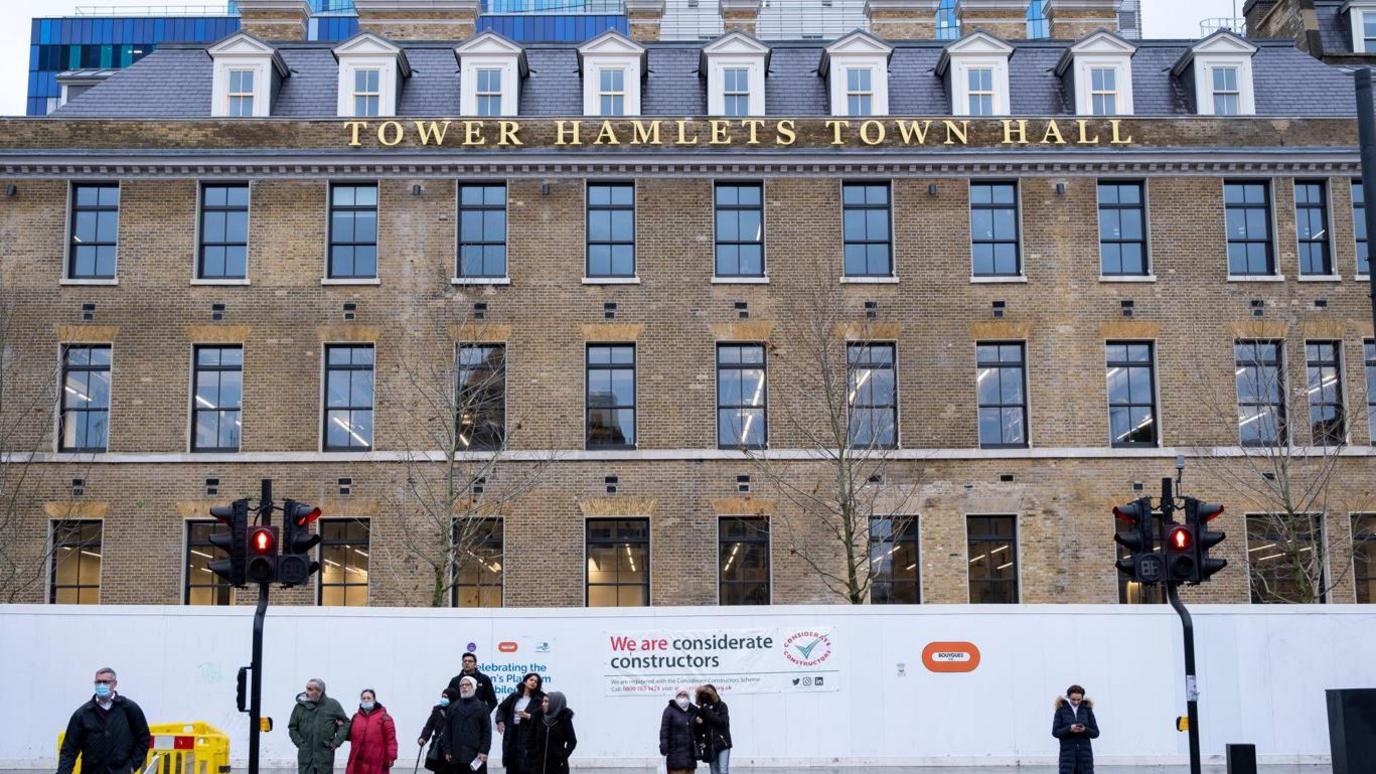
(992, 543)
(618, 562)
(478, 581)
(743, 552)
(75, 568)
(344, 562)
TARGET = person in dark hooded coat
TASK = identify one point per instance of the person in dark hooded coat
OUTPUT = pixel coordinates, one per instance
(1074, 725)
(436, 726)
(469, 737)
(552, 740)
(676, 735)
(514, 722)
(714, 729)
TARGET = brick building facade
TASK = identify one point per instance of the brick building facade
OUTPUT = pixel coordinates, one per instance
(955, 262)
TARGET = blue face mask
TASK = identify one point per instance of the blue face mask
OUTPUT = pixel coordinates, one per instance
(103, 690)
(444, 701)
(366, 706)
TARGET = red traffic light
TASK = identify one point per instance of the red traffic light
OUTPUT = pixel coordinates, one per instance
(300, 514)
(260, 541)
(307, 518)
(1180, 539)
(1209, 511)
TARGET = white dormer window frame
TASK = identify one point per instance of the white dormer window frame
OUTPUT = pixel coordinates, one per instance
(966, 59)
(359, 55)
(1212, 58)
(722, 61)
(486, 53)
(843, 64)
(1360, 14)
(235, 56)
(611, 64)
(1095, 59)
(367, 93)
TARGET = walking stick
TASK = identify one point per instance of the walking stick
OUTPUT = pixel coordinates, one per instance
(418, 757)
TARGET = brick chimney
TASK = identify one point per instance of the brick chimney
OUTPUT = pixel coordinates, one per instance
(740, 15)
(1006, 19)
(902, 19)
(274, 19)
(1074, 19)
(419, 19)
(644, 18)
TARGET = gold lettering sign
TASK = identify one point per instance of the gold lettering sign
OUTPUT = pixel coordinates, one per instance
(784, 132)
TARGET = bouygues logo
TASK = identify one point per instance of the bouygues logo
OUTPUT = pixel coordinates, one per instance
(807, 648)
(950, 656)
(507, 647)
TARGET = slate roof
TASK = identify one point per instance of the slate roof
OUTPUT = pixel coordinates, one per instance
(1335, 32)
(175, 82)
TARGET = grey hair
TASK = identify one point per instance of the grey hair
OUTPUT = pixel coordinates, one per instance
(107, 671)
(318, 682)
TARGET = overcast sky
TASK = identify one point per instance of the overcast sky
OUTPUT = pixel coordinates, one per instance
(1162, 19)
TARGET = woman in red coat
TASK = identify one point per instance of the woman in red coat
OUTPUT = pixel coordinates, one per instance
(372, 738)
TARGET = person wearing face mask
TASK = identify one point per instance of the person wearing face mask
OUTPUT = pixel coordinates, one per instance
(514, 723)
(318, 726)
(108, 733)
(676, 735)
(552, 740)
(1074, 725)
(469, 736)
(436, 727)
(372, 737)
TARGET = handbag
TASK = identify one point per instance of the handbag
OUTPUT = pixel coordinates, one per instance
(434, 761)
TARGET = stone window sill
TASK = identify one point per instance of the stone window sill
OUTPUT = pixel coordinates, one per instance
(997, 280)
(1321, 278)
(1256, 277)
(67, 281)
(611, 280)
(220, 282)
(351, 281)
(869, 280)
(1127, 277)
(480, 281)
(740, 280)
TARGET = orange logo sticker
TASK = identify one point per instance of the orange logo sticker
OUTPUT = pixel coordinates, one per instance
(950, 656)
(507, 647)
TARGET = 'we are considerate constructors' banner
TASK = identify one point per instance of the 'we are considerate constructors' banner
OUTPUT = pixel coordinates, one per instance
(778, 660)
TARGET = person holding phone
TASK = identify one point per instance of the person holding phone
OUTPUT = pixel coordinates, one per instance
(469, 736)
(1074, 725)
(514, 723)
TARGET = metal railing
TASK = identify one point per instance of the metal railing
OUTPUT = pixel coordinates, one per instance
(1208, 27)
(553, 7)
(152, 10)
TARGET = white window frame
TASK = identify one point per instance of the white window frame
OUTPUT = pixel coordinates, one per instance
(857, 51)
(611, 92)
(490, 51)
(243, 52)
(976, 51)
(250, 95)
(734, 51)
(366, 51)
(363, 92)
(971, 94)
(611, 51)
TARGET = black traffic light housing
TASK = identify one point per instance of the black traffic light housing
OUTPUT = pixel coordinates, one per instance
(1198, 514)
(1182, 564)
(1142, 563)
(235, 542)
(262, 555)
(295, 566)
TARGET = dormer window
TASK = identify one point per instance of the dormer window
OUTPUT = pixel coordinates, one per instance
(857, 71)
(1218, 70)
(490, 71)
(611, 92)
(1098, 69)
(611, 64)
(247, 73)
(367, 92)
(1362, 16)
(735, 66)
(371, 70)
(976, 67)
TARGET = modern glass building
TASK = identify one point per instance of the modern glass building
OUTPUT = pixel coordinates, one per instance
(97, 44)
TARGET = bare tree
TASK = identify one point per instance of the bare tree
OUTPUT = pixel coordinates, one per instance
(457, 474)
(845, 506)
(1287, 474)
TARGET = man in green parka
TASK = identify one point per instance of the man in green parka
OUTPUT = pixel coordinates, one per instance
(318, 727)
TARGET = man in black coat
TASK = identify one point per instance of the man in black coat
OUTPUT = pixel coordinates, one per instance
(1074, 725)
(485, 694)
(469, 736)
(108, 733)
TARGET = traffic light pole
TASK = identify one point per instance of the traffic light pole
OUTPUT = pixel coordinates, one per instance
(1191, 686)
(256, 687)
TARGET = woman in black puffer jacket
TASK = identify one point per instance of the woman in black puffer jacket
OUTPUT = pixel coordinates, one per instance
(714, 729)
(676, 735)
(552, 739)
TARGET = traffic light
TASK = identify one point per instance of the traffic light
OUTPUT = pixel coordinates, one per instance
(1141, 564)
(1181, 564)
(262, 555)
(234, 542)
(1198, 514)
(296, 567)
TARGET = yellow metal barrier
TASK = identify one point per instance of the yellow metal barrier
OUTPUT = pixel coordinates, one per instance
(181, 748)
